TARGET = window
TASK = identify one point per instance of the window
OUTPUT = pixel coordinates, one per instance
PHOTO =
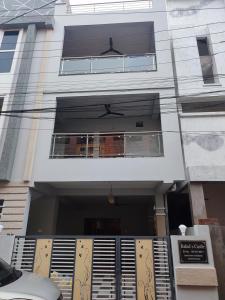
(206, 60)
(7, 49)
(1, 104)
(199, 107)
(1, 206)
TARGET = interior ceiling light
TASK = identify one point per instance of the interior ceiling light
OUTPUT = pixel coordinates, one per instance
(111, 198)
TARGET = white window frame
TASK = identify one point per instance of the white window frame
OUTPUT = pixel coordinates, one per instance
(17, 48)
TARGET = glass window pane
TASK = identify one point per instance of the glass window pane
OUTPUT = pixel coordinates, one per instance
(76, 66)
(203, 48)
(9, 40)
(140, 63)
(1, 104)
(6, 59)
(107, 64)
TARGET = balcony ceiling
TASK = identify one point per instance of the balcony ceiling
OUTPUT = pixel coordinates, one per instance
(93, 107)
(128, 38)
(93, 188)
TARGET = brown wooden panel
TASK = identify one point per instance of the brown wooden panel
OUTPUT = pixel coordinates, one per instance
(12, 225)
(83, 269)
(14, 190)
(42, 258)
(10, 231)
(196, 276)
(13, 210)
(10, 218)
(145, 270)
(14, 197)
(20, 203)
(13, 184)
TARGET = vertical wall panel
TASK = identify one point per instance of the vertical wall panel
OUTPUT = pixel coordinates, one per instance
(145, 270)
(83, 270)
(42, 258)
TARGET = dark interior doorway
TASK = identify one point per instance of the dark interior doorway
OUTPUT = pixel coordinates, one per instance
(102, 226)
(179, 211)
(81, 215)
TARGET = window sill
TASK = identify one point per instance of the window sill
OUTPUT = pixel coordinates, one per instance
(211, 84)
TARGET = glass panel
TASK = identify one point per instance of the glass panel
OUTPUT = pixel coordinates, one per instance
(207, 69)
(111, 145)
(70, 146)
(107, 64)
(140, 63)
(9, 40)
(6, 59)
(142, 145)
(76, 66)
(203, 48)
(1, 104)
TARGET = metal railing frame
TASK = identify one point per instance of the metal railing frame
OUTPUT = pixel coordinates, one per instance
(121, 4)
(106, 70)
(107, 134)
(118, 243)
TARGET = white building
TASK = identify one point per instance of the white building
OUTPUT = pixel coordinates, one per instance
(93, 143)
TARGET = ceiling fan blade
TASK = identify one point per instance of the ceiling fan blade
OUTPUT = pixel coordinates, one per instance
(105, 52)
(111, 49)
(116, 51)
(117, 114)
(104, 115)
(107, 108)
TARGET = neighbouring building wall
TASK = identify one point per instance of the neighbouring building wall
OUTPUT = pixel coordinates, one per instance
(204, 145)
(214, 194)
(15, 199)
(198, 19)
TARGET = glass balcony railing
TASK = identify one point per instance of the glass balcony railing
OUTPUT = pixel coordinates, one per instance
(139, 144)
(108, 64)
(109, 6)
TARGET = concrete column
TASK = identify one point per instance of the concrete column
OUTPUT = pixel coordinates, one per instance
(198, 202)
(160, 215)
(18, 102)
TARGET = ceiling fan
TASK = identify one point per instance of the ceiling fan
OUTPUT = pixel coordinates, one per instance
(111, 49)
(109, 112)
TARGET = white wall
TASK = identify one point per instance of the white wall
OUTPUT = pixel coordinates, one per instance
(185, 46)
(205, 149)
(7, 82)
(187, 292)
(166, 168)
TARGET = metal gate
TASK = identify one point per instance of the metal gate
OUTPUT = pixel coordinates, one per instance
(99, 268)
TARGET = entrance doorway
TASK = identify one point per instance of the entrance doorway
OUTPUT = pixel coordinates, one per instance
(102, 226)
(84, 215)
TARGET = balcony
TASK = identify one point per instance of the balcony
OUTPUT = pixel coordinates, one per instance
(105, 145)
(108, 64)
(109, 6)
(108, 48)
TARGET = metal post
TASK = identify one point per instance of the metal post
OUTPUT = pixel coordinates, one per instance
(159, 142)
(118, 269)
(87, 142)
(53, 146)
(62, 67)
(91, 67)
(124, 144)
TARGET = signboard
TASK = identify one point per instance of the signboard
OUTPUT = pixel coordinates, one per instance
(193, 252)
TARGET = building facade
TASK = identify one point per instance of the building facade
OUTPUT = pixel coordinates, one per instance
(112, 130)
